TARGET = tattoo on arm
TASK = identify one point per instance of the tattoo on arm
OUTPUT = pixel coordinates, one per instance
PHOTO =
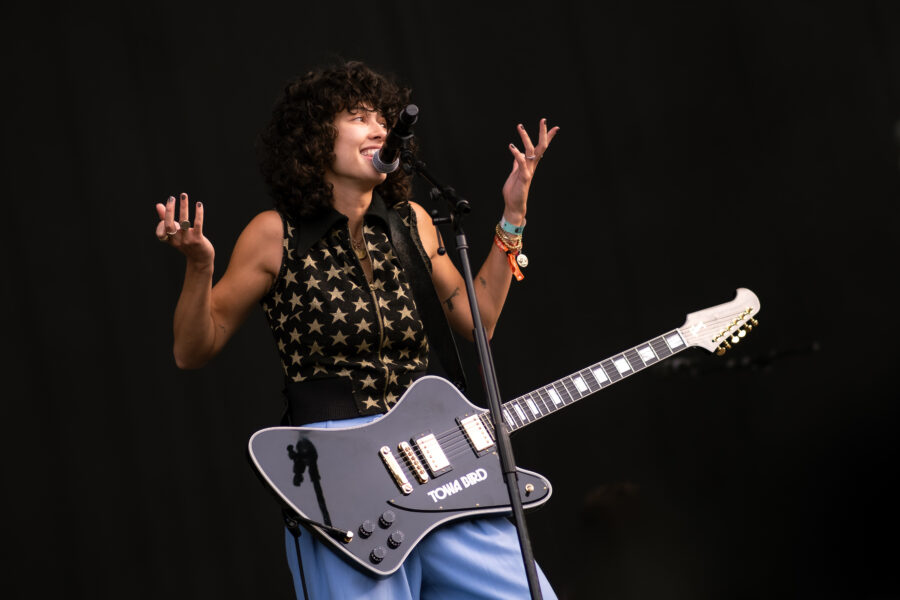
(449, 301)
(483, 281)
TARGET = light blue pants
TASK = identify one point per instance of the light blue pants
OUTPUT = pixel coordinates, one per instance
(467, 559)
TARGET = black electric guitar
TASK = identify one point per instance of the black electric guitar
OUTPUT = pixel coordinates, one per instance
(374, 491)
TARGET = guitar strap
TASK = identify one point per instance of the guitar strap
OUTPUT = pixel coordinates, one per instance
(440, 336)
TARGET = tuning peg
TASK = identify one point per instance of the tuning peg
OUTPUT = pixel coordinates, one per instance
(755, 322)
(720, 351)
(742, 333)
(735, 339)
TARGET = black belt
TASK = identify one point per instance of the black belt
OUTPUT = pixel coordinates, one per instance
(317, 400)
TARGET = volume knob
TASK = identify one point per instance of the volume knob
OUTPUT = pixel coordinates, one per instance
(378, 554)
(387, 518)
(366, 529)
(395, 539)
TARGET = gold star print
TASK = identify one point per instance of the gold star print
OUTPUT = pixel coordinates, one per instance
(363, 347)
(363, 325)
(383, 302)
(295, 358)
(405, 313)
(311, 283)
(298, 378)
(353, 285)
(378, 285)
(339, 315)
(319, 369)
(368, 230)
(339, 358)
(326, 253)
(370, 403)
(333, 272)
(376, 264)
(360, 305)
(295, 335)
(368, 382)
(290, 277)
(290, 230)
(400, 292)
(315, 326)
(309, 262)
(387, 344)
(277, 298)
(366, 364)
(337, 294)
(347, 269)
(388, 324)
(392, 378)
(389, 255)
(409, 334)
(315, 348)
(344, 372)
(387, 360)
(339, 339)
(281, 321)
(396, 273)
(339, 250)
(295, 301)
(315, 304)
(285, 243)
(390, 398)
(404, 353)
(281, 345)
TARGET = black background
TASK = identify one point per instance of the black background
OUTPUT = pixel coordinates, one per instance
(704, 146)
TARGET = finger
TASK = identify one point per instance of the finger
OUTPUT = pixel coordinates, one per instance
(170, 215)
(526, 141)
(518, 156)
(184, 213)
(198, 218)
(161, 230)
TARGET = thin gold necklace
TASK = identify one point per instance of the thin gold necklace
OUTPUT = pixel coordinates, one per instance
(359, 248)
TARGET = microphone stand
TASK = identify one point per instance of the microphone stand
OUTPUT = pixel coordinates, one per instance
(458, 208)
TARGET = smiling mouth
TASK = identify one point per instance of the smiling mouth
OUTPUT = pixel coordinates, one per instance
(369, 152)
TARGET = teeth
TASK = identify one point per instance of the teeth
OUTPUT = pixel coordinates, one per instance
(369, 152)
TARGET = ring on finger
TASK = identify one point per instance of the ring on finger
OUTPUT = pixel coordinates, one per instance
(532, 157)
(185, 224)
(171, 233)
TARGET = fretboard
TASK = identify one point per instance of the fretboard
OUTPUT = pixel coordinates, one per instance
(527, 409)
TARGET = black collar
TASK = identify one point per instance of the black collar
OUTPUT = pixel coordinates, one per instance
(312, 230)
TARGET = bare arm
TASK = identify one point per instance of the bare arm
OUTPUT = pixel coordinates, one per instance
(207, 315)
(493, 279)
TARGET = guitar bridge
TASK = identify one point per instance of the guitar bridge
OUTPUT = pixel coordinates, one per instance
(394, 468)
(417, 468)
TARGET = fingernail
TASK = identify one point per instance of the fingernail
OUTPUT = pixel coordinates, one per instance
(512, 145)
(520, 126)
(171, 199)
(199, 205)
(183, 196)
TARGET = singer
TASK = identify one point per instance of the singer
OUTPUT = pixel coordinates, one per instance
(349, 331)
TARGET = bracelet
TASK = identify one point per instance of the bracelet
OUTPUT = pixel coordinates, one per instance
(514, 242)
(510, 228)
(514, 257)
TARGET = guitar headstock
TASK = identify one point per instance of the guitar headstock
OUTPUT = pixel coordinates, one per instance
(719, 327)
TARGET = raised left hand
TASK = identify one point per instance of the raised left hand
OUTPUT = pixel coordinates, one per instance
(515, 190)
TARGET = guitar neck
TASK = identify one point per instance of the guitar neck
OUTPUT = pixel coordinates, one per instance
(527, 409)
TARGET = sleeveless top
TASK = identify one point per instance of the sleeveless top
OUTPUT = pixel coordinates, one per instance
(329, 321)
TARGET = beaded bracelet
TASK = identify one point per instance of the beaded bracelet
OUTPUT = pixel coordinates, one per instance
(514, 257)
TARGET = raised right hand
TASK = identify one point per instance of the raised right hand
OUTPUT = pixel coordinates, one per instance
(187, 239)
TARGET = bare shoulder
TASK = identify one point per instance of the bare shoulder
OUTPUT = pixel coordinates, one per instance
(261, 242)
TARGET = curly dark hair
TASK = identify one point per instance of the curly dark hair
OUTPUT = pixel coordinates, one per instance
(298, 144)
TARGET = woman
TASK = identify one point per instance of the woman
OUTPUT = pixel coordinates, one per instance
(339, 303)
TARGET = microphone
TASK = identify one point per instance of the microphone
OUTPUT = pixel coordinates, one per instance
(387, 158)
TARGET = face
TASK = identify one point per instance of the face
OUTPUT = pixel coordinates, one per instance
(360, 132)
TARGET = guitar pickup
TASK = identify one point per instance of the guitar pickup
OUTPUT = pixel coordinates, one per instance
(434, 456)
(416, 466)
(477, 434)
(394, 468)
